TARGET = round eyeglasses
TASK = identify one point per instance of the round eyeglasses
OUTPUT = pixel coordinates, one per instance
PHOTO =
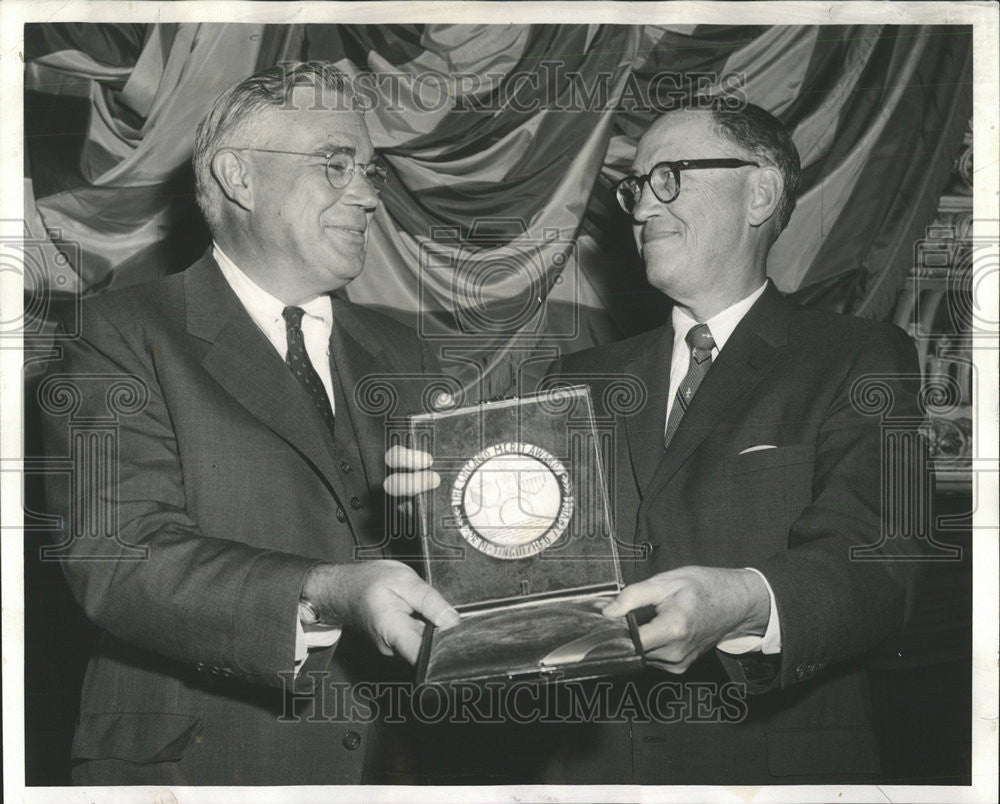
(340, 166)
(665, 180)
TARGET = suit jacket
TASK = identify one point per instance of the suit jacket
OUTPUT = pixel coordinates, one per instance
(190, 546)
(786, 378)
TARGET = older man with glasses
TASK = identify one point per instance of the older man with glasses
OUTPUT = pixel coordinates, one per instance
(234, 618)
(761, 547)
(750, 487)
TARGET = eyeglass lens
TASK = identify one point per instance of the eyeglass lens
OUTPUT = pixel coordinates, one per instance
(662, 181)
(340, 170)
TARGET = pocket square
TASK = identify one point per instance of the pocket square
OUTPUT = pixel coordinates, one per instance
(758, 448)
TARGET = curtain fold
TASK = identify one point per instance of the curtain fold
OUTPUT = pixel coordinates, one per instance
(134, 163)
(504, 141)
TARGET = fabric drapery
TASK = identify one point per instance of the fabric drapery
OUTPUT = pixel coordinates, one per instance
(498, 228)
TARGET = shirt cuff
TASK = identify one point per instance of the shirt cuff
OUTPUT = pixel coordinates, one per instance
(312, 636)
(770, 642)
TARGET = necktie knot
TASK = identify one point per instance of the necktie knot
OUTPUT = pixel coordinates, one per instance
(700, 337)
(293, 316)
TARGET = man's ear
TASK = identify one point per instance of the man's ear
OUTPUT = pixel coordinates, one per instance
(765, 194)
(232, 173)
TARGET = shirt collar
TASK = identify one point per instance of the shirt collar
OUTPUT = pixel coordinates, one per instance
(264, 308)
(722, 324)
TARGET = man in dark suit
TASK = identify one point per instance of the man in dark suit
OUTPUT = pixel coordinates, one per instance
(234, 615)
(748, 489)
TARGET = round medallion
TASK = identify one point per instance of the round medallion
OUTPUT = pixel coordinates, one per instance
(512, 500)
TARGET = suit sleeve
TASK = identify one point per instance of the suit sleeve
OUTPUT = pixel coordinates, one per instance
(135, 560)
(846, 582)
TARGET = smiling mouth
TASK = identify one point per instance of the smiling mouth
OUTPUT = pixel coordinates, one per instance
(351, 233)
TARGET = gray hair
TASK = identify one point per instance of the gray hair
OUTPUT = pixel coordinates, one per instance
(230, 121)
(762, 136)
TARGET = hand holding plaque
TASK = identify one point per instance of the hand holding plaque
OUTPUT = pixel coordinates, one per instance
(517, 536)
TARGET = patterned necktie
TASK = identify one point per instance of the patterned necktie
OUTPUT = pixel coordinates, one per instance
(700, 342)
(298, 361)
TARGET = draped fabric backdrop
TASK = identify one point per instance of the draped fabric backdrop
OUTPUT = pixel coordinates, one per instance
(499, 232)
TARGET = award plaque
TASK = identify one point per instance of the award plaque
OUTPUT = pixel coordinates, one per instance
(517, 537)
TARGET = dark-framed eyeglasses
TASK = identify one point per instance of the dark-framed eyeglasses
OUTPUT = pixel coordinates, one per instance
(665, 180)
(340, 166)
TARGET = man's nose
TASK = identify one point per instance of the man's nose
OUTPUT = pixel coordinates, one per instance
(361, 191)
(648, 205)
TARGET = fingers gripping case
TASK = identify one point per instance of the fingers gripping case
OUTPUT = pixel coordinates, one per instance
(518, 538)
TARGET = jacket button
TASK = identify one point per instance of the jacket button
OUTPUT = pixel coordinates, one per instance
(341, 515)
(355, 503)
(352, 740)
(345, 466)
(200, 667)
(646, 548)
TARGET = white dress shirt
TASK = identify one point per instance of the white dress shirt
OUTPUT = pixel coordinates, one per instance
(317, 324)
(721, 325)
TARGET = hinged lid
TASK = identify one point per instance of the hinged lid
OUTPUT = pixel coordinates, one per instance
(522, 510)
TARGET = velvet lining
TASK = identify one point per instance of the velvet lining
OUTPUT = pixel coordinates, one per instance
(514, 642)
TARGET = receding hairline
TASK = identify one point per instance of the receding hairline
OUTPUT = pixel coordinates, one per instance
(708, 115)
(712, 125)
(268, 128)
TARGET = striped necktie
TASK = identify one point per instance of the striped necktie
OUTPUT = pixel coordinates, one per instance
(700, 342)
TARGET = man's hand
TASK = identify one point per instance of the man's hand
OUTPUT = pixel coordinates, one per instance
(412, 474)
(696, 609)
(382, 598)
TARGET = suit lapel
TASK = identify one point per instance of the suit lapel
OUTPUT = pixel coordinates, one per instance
(644, 430)
(745, 360)
(246, 365)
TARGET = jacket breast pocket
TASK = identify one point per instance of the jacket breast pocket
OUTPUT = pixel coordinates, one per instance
(763, 459)
(762, 493)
